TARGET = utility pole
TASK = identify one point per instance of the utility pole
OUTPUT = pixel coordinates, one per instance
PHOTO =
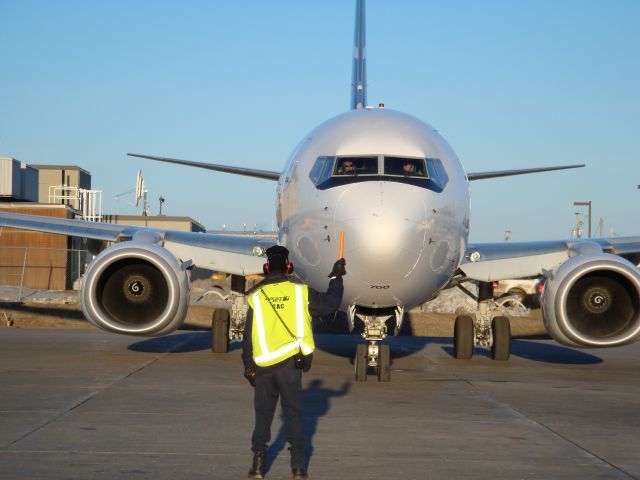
(601, 226)
(145, 205)
(585, 204)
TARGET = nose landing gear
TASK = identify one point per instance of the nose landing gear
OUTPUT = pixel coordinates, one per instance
(373, 354)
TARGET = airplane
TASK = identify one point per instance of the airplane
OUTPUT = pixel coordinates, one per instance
(393, 188)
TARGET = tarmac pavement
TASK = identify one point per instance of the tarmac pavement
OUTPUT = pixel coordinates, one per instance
(83, 404)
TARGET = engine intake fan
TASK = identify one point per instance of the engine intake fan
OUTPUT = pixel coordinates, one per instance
(593, 300)
(137, 288)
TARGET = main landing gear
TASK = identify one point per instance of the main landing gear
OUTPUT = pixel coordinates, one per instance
(227, 323)
(488, 330)
(373, 354)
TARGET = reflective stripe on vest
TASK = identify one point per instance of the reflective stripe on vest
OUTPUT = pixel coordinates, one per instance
(286, 345)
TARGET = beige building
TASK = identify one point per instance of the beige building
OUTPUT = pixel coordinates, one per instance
(37, 259)
(58, 175)
(49, 261)
(185, 224)
(54, 262)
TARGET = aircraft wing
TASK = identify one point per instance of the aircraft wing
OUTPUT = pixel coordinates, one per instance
(499, 261)
(523, 171)
(237, 254)
(247, 172)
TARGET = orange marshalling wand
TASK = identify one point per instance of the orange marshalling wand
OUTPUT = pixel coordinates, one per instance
(341, 251)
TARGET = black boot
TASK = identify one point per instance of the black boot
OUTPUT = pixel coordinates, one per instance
(258, 467)
(299, 473)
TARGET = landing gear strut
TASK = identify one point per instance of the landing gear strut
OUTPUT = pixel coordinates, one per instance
(489, 329)
(228, 322)
(373, 354)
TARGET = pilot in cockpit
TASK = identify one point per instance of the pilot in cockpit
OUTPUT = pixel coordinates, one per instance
(410, 169)
(347, 167)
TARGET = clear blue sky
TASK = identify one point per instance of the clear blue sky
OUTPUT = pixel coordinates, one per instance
(510, 84)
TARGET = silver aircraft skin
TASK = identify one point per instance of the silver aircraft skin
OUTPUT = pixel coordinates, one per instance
(403, 242)
(393, 187)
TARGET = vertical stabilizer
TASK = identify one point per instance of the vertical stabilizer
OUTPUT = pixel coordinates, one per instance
(359, 78)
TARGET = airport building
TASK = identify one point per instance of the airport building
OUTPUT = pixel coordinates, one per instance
(50, 261)
(50, 177)
(38, 259)
(18, 181)
(185, 224)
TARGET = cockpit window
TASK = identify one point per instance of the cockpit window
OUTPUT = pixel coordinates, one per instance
(356, 166)
(328, 172)
(316, 170)
(321, 170)
(437, 171)
(406, 167)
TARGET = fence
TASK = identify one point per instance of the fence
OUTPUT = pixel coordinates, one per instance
(41, 267)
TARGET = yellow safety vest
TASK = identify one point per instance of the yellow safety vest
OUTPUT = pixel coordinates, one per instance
(272, 343)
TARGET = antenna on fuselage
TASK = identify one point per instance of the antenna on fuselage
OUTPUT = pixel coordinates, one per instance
(359, 74)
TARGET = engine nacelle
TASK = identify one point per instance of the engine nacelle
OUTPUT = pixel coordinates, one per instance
(593, 300)
(136, 288)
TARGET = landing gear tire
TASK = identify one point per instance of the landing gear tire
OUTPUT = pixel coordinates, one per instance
(501, 329)
(384, 363)
(463, 338)
(361, 363)
(220, 331)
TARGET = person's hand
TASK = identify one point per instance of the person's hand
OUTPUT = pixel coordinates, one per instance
(250, 375)
(338, 269)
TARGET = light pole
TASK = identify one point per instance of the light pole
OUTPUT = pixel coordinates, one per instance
(578, 229)
(585, 204)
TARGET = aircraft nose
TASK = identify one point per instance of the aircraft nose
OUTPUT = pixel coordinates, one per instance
(384, 225)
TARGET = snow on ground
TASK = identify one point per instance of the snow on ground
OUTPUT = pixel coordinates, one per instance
(448, 301)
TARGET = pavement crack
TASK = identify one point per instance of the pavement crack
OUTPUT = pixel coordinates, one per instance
(551, 430)
(93, 394)
(82, 402)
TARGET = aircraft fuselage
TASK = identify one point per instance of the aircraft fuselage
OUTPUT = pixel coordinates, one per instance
(404, 235)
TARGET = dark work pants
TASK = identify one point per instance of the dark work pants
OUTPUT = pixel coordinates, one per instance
(286, 383)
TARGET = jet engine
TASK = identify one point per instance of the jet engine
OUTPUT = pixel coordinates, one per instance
(593, 300)
(136, 288)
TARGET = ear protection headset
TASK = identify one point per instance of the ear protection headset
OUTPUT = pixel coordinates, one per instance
(288, 269)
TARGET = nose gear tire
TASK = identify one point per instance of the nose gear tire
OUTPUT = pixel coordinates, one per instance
(361, 363)
(384, 364)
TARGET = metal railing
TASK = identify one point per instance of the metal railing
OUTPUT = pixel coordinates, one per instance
(88, 202)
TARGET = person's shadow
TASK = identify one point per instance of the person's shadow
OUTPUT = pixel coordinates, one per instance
(315, 404)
